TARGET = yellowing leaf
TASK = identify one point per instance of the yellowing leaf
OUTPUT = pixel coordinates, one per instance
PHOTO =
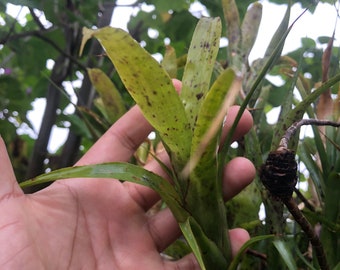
(151, 87)
(169, 62)
(111, 98)
(200, 63)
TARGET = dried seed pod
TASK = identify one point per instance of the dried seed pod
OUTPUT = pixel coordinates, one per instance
(279, 173)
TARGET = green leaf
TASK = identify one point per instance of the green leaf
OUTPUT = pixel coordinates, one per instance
(169, 62)
(205, 250)
(151, 88)
(31, 4)
(337, 267)
(286, 107)
(200, 63)
(178, 249)
(331, 238)
(204, 197)
(211, 106)
(112, 100)
(232, 18)
(249, 28)
(121, 171)
(248, 244)
(209, 120)
(165, 6)
(284, 251)
(272, 54)
(306, 154)
(191, 239)
(276, 39)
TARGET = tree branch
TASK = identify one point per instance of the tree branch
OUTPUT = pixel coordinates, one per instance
(36, 19)
(71, 146)
(40, 34)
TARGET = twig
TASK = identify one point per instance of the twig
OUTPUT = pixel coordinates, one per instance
(36, 19)
(309, 230)
(39, 34)
(304, 200)
(295, 126)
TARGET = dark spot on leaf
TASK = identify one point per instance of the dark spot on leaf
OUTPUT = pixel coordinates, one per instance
(205, 45)
(199, 96)
(148, 101)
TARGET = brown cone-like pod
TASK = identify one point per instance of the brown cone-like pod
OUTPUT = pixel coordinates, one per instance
(279, 173)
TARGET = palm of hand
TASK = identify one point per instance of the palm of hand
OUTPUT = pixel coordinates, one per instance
(75, 228)
(98, 223)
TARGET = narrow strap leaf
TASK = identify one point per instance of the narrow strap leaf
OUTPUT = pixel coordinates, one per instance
(151, 87)
(121, 171)
(113, 103)
(200, 63)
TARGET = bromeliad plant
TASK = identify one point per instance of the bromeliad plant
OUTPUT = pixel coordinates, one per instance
(189, 126)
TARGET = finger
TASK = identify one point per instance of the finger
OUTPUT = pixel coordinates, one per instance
(8, 183)
(177, 84)
(121, 140)
(237, 238)
(188, 262)
(244, 125)
(237, 174)
(163, 229)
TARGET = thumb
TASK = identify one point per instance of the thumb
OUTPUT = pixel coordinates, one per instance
(8, 183)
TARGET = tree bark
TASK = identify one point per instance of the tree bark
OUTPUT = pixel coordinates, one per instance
(59, 73)
(70, 150)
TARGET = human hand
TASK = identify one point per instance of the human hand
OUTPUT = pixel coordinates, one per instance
(102, 223)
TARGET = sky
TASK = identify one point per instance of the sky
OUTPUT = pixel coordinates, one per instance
(321, 23)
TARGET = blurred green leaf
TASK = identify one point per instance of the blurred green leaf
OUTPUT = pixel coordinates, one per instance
(232, 19)
(332, 213)
(249, 28)
(169, 62)
(205, 250)
(249, 243)
(178, 249)
(110, 96)
(165, 6)
(285, 253)
(276, 45)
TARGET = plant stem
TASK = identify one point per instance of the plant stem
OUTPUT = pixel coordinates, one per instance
(295, 126)
(308, 229)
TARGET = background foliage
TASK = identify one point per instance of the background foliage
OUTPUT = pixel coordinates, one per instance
(51, 33)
